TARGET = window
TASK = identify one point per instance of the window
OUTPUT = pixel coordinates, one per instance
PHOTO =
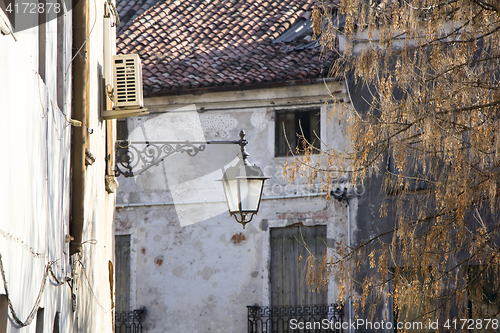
(293, 127)
(409, 283)
(416, 180)
(122, 277)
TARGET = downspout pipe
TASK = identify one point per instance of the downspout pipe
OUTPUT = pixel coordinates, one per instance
(80, 93)
(344, 196)
(349, 303)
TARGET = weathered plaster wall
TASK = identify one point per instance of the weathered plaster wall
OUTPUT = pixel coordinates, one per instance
(194, 268)
(367, 222)
(93, 283)
(35, 186)
(34, 174)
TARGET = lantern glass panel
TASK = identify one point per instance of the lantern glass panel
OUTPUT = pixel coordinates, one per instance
(231, 192)
(250, 191)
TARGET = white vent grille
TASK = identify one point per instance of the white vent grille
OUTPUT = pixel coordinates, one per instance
(127, 81)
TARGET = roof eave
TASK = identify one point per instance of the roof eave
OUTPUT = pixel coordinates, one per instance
(261, 85)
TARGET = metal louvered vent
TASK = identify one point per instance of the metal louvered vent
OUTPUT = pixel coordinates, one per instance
(127, 81)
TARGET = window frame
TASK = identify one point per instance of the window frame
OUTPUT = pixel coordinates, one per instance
(311, 129)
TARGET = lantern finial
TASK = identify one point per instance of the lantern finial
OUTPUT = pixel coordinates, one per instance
(244, 154)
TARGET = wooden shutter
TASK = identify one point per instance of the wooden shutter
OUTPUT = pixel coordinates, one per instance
(122, 277)
(288, 264)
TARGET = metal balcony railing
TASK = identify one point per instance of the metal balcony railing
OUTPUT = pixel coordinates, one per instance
(288, 319)
(129, 321)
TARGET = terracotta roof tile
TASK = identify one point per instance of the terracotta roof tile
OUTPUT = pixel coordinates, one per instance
(203, 44)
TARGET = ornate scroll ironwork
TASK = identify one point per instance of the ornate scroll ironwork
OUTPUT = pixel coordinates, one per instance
(321, 318)
(129, 321)
(135, 157)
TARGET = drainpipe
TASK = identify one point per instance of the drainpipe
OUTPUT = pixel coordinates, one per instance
(344, 196)
(349, 303)
(80, 93)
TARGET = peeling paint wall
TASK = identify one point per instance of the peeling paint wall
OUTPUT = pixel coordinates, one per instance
(194, 268)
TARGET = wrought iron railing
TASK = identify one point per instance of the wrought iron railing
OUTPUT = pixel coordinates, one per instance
(129, 321)
(288, 319)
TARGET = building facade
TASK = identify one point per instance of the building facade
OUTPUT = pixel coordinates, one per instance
(57, 184)
(211, 69)
(192, 266)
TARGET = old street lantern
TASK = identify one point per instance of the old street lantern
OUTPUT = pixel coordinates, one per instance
(243, 185)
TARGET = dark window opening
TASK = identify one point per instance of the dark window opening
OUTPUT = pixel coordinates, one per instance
(294, 129)
(122, 273)
(408, 281)
(482, 297)
(39, 320)
(121, 129)
(60, 62)
(413, 179)
(4, 311)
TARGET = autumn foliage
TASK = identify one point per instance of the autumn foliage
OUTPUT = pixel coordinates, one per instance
(433, 129)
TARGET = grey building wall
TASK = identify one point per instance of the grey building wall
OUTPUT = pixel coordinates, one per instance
(193, 268)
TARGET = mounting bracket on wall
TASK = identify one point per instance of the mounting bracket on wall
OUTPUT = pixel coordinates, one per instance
(135, 157)
(242, 183)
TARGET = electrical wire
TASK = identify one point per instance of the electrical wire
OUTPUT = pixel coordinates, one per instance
(115, 14)
(59, 135)
(40, 97)
(34, 310)
(57, 281)
(68, 123)
(89, 241)
(28, 248)
(85, 42)
(90, 288)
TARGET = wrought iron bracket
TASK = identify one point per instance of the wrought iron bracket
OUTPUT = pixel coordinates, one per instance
(135, 157)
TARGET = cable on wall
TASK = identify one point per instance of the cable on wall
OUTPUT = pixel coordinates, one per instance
(115, 14)
(15, 319)
(90, 288)
(85, 42)
(57, 281)
(24, 245)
